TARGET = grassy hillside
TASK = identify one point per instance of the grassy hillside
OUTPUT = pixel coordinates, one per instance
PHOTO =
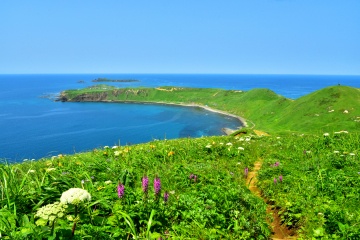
(311, 180)
(330, 109)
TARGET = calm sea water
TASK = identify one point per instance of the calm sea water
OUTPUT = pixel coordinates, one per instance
(33, 127)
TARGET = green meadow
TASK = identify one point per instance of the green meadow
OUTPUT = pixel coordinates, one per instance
(199, 188)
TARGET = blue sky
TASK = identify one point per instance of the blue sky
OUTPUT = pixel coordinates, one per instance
(187, 36)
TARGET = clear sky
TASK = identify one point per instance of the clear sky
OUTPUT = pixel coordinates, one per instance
(183, 36)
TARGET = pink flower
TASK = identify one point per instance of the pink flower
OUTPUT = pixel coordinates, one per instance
(157, 185)
(121, 190)
(145, 184)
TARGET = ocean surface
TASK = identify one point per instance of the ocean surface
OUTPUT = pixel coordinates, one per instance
(33, 126)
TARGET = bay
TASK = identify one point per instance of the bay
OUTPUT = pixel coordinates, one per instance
(33, 127)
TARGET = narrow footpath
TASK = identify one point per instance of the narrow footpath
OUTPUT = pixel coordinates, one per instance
(278, 231)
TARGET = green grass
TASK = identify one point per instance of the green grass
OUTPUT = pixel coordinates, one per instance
(215, 205)
(317, 198)
(322, 110)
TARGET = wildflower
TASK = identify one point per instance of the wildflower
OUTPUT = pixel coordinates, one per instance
(108, 182)
(276, 164)
(50, 213)
(278, 137)
(114, 147)
(171, 153)
(145, 184)
(221, 143)
(121, 190)
(326, 134)
(247, 139)
(352, 154)
(50, 169)
(229, 144)
(75, 196)
(336, 151)
(157, 185)
(166, 196)
(280, 178)
(193, 177)
(208, 146)
(106, 147)
(241, 139)
(275, 181)
(65, 173)
(241, 148)
(246, 172)
(117, 153)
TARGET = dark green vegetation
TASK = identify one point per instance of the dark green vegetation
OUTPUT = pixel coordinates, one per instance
(329, 109)
(114, 80)
(311, 177)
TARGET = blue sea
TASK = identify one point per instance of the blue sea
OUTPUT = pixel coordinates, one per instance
(34, 126)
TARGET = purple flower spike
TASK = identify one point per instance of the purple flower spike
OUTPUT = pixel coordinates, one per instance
(145, 184)
(121, 190)
(246, 172)
(275, 181)
(280, 178)
(166, 196)
(195, 178)
(157, 185)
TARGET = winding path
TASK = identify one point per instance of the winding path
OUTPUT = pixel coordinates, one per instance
(278, 231)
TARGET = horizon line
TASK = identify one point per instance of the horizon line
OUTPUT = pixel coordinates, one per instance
(293, 74)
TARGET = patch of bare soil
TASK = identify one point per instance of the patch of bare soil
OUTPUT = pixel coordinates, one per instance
(278, 231)
(260, 133)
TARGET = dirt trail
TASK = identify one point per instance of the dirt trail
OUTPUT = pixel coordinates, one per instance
(279, 231)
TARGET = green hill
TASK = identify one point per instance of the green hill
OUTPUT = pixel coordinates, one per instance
(333, 108)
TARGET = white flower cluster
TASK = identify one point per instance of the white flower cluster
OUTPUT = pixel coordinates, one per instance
(50, 212)
(75, 196)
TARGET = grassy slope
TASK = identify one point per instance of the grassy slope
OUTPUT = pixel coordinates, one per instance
(269, 111)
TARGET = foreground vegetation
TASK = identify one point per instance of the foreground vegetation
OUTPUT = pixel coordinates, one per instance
(326, 110)
(312, 180)
(203, 193)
